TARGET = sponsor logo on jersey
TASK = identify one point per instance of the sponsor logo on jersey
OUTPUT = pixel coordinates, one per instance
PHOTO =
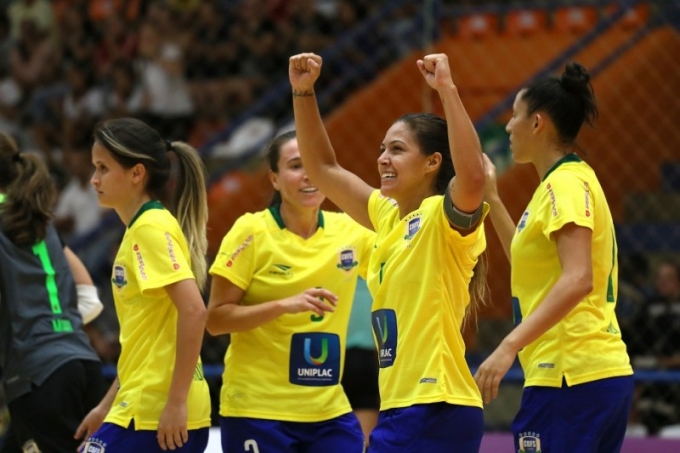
(140, 261)
(171, 251)
(553, 202)
(314, 359)
(529, 442)
(384, 323)
(118, 278)
(346, 260)
(239, 249)
(587, 198)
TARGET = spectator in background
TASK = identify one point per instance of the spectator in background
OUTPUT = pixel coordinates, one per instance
(167, 102)
(118, 45)
(125, 96)
(83, 104)
(34, 60)
(77, 211)
(38, 11)
(634, 289)
(653, 341)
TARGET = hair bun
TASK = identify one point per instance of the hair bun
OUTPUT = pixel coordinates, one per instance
(575, 77)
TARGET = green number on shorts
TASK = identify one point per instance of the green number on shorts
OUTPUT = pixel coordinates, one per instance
(59, 325)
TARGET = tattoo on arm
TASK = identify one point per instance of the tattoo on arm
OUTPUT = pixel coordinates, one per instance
(302, 94)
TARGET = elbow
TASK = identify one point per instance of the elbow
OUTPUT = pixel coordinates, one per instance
(583, 284)
(213, 326)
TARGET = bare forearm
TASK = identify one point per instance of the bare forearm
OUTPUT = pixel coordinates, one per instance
(561, 299)
(190, 328)
(466, 150)
(228, 318)
(106, 402)
(502, 223)
(311, 134)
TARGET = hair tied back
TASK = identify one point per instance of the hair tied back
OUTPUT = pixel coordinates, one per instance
(575, 77)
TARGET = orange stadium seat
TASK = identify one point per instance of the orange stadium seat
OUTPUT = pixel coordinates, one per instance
(236, 193)
(634, 17)
(477, 25)
(575, 19)
(525, 22)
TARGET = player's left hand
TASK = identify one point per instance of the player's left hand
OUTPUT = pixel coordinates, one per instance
(435, 69)
(172, 427)
(491, 371)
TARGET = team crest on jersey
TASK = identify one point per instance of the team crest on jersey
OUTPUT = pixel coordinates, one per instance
(346, 260)
(30, 447)
(523, 221)
(118, 278)
(529, 442)
(94, 446)
(413, 226)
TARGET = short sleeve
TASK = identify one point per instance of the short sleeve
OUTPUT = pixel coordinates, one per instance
(160, 257)
(236, 257)
(569, 200)
(379, 207)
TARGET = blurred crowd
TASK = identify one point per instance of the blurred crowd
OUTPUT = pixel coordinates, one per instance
(184, 66)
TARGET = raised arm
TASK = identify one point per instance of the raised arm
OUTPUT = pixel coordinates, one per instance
(349, 192)
(227, 315)
(501, 220)
(466, 152)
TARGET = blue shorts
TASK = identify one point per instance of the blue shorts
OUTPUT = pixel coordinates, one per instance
(432, 428)
(112, 438)
(338, 435)
(584, 418)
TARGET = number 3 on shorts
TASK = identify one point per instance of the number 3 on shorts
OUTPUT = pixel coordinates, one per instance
(251, 445)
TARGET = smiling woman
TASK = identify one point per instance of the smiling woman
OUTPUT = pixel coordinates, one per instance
(283, 284)
(427, 267)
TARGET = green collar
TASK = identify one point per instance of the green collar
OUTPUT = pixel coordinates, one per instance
(571, 157)
(153, 204)
(276, 213)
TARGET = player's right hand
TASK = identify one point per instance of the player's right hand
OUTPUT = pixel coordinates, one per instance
(318, 300)
(90, 424)
(303, 70)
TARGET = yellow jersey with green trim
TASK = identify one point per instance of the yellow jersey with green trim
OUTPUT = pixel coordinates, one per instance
(586, 345)
(152, 255)
(290, 368)
(419, 275)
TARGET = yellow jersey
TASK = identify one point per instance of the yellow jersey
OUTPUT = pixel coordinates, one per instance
(586, 345)
(152, 255)
(290, 368)
(419, 275)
